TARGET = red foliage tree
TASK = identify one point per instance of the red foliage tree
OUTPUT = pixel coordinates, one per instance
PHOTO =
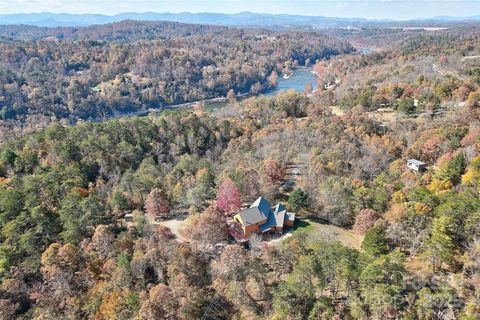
(157, 204)
(228, 198)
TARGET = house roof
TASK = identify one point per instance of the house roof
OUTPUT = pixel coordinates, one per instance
(290, 216)
(416, 162)
(277, 216)
(252, 215)
(265, 227)
(278, 207)
(261, 210)
(263, 205)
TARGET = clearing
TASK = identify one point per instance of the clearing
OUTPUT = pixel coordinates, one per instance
(320, 231)
(175, 225)
(337, 111)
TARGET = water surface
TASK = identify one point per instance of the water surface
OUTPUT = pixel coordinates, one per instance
(297, 81)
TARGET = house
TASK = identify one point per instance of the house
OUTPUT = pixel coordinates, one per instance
(261, 218)
(328, 86)
(416, 165)
(128, 218)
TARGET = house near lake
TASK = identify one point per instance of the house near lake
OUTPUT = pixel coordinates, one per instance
(260, 218)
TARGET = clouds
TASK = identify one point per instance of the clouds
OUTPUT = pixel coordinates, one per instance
(377, 9)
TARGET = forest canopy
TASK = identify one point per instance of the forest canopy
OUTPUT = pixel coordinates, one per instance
(102, 70)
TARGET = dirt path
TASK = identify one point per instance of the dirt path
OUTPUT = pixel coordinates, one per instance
(470, 58)
(175, 225)
(292, 172)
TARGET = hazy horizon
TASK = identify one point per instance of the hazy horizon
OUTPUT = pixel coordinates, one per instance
(367, 9)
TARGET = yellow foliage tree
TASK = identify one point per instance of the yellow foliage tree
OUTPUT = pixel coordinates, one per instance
(472, 176)
(439, 186)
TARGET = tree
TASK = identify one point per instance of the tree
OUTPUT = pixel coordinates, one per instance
(157, 204)
(473, 100)
(450, 172)
(118, 304)
(434, 304)
(204, 189)
(228, 197)
(441, 242)
(298, 200)
(8, 155)
(364, 220)
(406, 106)
(273, 79)
(375, 241)
(7, 309)
(119, 201)
(332, 197)
(323, 309)
(160, 304)
(273, 171)
(209, 228)
(316, 280)
(232, 263)
(102, 241)
(381, 284)
(295, 297)
(308, 88)
(61, 269)
(231, 96)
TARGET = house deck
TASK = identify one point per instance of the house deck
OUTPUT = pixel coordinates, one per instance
(235, 230)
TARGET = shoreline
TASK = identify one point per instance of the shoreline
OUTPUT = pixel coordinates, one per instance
(143, 113)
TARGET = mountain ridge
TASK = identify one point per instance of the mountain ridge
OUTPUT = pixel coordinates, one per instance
(245, 18)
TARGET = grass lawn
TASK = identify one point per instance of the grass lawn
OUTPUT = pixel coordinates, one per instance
(318, 231)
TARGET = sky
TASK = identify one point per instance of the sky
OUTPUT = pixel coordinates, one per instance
(370, 9)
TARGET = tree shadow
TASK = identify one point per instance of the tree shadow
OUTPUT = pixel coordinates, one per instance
(300, 224)
(281, 197)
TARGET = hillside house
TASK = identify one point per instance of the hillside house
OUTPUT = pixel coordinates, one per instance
(329, 85)
(416, 165)
(260, 218)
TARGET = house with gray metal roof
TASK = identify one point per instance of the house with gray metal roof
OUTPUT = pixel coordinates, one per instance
(261, 218)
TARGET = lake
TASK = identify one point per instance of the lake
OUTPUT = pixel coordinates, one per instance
(301, 76)
(297, 81)
(366, 50)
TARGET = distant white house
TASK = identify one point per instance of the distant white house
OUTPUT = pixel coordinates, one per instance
(416, 165)
(328, 86)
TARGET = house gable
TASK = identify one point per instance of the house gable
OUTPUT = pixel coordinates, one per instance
(263, 205)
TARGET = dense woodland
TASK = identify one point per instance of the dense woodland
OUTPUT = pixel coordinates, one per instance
(437, 69)
(102, 70)
(67, 252)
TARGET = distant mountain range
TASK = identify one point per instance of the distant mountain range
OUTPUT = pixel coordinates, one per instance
(46, 19)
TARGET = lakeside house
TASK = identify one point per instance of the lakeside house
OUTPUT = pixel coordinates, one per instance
(329, 85)
(260, 218)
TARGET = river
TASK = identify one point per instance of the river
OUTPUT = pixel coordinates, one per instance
(300, 78)
(366, 50)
